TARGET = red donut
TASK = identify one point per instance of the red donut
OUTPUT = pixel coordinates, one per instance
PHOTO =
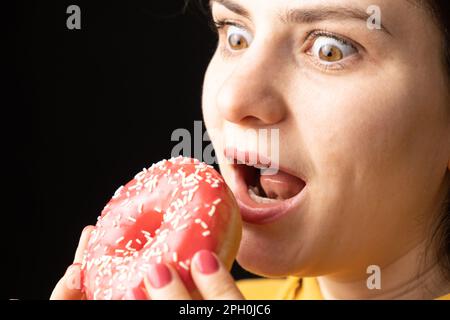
(165, 214)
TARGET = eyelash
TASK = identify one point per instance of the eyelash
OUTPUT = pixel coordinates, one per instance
(310, 37)
(220, 24)
(336, 66)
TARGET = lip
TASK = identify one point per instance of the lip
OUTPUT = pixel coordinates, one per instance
(262, 213)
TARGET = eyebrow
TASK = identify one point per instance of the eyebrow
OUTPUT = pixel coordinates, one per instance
(307, 16)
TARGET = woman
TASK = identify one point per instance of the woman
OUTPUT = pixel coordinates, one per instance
(362, 107)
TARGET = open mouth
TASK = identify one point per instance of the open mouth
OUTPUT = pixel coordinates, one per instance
(264, 194)
(265, 189)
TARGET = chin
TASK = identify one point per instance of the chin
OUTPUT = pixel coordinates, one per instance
(259, 253)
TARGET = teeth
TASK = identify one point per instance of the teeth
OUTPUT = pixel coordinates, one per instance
(269, 171)
(254, 194)
(260, 166)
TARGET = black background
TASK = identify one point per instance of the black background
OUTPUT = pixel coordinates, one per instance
(82, 112)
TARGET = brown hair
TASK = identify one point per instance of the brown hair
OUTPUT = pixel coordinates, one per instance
(440, 12)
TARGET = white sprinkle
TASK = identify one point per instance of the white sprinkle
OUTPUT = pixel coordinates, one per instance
(198, 220)
(149, 242)
(141, 208)
(128, 246)
(175, 221)
(138, 241)
(148, 185)
(187, 216)
(117, 193)
(125, 202)
(183, 265)
(204, 225)
(211, 211)
(120, 239)
(140, 175)
(131, 219)
(157, 209)
(196, 209)
(174, 257)
(158, 259)
(184, 226)
(217, 201)
(206, 233)
(96, 292)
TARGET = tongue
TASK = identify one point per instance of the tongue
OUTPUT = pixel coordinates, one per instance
(281, 185)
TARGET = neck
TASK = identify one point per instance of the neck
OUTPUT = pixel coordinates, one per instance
(405, 278)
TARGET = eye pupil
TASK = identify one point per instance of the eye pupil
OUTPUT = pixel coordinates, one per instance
(331, 53)
(237, 42)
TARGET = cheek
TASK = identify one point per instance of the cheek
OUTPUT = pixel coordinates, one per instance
(359, 130)
(370, 143)
(214, 78)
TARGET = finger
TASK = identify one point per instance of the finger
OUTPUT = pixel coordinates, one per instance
(82, 244)
(163, 283)
(212, 279)
(69, 286)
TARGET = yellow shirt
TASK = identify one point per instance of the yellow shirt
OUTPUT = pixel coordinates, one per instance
(292, 288)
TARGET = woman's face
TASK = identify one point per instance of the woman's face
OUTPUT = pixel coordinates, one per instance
(363, 120)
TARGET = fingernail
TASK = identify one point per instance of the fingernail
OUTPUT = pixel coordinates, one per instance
(85, 229)
(159, 275)
(206, 262)
(72, 266)
(73, 277)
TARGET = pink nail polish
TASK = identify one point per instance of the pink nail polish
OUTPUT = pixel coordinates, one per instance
(159, 275)
(206, 262)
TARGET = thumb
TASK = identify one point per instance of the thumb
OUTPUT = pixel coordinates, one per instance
(69, 286)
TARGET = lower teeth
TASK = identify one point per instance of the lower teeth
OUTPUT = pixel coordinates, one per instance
(254, 194)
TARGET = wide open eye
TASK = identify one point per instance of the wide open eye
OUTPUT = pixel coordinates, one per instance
(330, 50)
(238, 38)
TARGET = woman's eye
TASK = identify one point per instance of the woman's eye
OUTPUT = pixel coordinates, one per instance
(238, 38)
(331, 50)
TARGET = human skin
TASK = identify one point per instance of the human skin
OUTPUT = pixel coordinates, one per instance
(371, 137)
(368, 133)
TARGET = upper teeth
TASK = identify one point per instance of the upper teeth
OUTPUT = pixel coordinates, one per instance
(260, 166)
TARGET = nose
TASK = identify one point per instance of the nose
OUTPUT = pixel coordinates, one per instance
(250, 94)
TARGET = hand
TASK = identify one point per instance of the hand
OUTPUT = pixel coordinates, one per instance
(213, 281)
(69, 286)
